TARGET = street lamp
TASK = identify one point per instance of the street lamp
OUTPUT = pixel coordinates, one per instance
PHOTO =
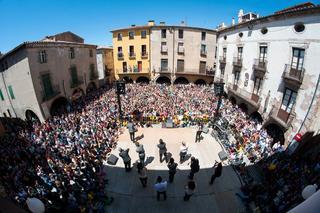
(218, 90)
(120, 90)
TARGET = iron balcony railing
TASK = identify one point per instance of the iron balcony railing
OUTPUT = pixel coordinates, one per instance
(144, 54)
(132, 55)
(293, 74)
(120, 56)
(222, 59)
(237, 61)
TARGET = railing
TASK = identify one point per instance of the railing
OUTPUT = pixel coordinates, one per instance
(293, 74)
(203, 52)
(120, 56)
(259, 64)
(181, 50)
(76, 82)
(132, 55)
(222, 59)
(144, 54)
(237, 61)
(164, 49)
(132, 71)
(55, 92)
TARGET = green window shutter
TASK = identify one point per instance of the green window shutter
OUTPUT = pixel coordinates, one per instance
(11, 92)
(1, 95)
(47, 86)
(74, 75)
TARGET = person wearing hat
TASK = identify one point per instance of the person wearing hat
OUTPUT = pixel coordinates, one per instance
(162, 150)
(124, 154)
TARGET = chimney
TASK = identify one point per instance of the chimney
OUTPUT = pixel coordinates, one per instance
(182, 23)
(162, 23)
(151, 23)
(240, 14)
(233, 22)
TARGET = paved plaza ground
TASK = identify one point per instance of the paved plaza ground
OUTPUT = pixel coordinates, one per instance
(129, 195)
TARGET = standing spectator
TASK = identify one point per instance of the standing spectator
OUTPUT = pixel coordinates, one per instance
(217, 172)
(161, 188)
(198, 134)
(189, 190)
(124, 154)
(194, 166)
(183, 151)
(162, 150)
(141, 152)
(142, 171)
(172, 169)
(132, 129)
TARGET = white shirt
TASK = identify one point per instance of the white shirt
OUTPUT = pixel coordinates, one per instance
(161, 187)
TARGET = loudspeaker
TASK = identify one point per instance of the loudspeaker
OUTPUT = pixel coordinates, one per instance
(223, 155)
(112, 159)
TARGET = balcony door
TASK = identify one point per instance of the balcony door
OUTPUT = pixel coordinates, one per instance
(288, 101)
(47, 86)
(297, 59)
(240, 50)
(263, 54)
(124, 66)
(180, 65)
(139, 66)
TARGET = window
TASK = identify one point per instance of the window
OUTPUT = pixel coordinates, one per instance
(120, 54)
(71, 53)
(297, 58)
(203, 50)
(202, 67)
(163, 33)
(240, 49)
(47, 86)
(139, 66)
(180, 33)
(289, 99)
(180, 47)
(263, 53)
(90, 53)
(164, 64)
(131, 51)
(180, 65)
(203, 36)
(1, 95)
(224, 53)
(236, 77)
(124, 66)
(11, 92)
(119, 36)
(74, 75)
(119, 49)
(144, 50)
(257, 85)
(164, 48)
(131, 35)
(42, 56)
(222, 71)
(143, 34)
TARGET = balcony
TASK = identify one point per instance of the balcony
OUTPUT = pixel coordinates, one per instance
(248, 97)
(210, 72)
(144, 55)
(132, 55)
(164, 49)
(133, 71)
(203, 53)
(222, 61)
(260, 67)
(49, 95)
(181, 50)
(76, 82)
(280, 116)
(120, 56)
(237, 62)
(293, 76)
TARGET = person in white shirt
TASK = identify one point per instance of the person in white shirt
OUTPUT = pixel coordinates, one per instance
(161, 188)
(183, 151)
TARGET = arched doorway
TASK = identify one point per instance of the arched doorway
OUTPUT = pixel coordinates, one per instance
(233, 100)
(275, 132)
(59, 106)
(128, 80)
(91, 87)
(256, 116)
(200, 82)
(163, 80)
(31, 116)
(143, 79)
(243, 107)
(181, 80)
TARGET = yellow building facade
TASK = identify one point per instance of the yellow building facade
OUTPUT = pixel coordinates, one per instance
(132, 53)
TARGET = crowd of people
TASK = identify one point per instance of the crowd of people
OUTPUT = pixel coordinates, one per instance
(61, 160)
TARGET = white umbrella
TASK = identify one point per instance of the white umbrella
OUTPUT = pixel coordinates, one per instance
(309, 190)
(35, 205)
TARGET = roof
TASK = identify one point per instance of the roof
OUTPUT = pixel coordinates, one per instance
(277, 16)
(296, 7)
(162, 26)
(64, 33)
(105, 47)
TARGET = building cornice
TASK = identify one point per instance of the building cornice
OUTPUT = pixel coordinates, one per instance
(162, 27)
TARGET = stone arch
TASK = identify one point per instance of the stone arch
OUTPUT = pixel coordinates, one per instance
(181, 80)
(31, 116)
(276, 132)
(243, 107)
(91, 87)
(200, 81)
(233, 100)
(128, 80)
(256, 116)
(59, 105)
(143, 79)
(163, 80)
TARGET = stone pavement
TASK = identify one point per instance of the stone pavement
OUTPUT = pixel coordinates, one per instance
(129, 195)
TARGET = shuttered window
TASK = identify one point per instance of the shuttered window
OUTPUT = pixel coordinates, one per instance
(11, 92)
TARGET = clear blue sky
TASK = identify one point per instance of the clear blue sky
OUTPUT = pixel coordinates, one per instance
(30, 20)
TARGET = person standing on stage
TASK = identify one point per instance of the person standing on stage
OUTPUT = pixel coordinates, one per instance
(162, 150)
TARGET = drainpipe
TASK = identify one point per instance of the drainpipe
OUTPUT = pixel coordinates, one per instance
(173, 39)
(5, 85)
(309, 108)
